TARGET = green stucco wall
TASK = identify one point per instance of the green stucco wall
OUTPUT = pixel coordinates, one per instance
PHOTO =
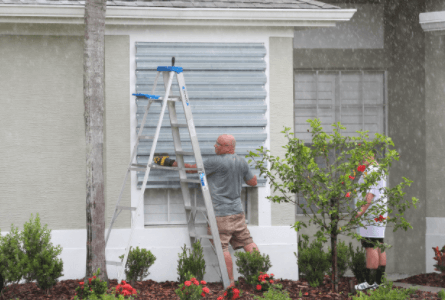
(43, 131)
(281, 112)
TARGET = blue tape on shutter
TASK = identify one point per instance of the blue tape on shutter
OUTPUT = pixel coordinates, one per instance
(226, 87)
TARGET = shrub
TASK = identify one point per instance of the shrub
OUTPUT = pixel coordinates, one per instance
(343, 257)
(358, 264)
(191, 289)
(264, 282)
(195, 263)
(274, 294)
(138, 263)
(251, 264)
(94, 287)
(12, 257)
(312, 260)
(41, 262)
(385, 292)
(441, 294)
(231, 293)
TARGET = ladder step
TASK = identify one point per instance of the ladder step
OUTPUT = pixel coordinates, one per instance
(199, 208)
(137, 167)
(155, 166)
(126, 207)
(146, 137)
(190, 180)
(179, 125)
(185, 153)
(114, 263)
(197, 235)
(172, 98)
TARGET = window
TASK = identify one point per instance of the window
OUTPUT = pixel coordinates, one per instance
(226, 87)
(357, 99)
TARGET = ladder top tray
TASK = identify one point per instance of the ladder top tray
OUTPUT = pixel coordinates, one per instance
(146, 96)
(169, 69)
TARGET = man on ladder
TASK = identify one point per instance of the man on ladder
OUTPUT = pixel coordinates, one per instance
(225, 174)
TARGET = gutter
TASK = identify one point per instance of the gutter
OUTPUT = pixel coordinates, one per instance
(123, 15)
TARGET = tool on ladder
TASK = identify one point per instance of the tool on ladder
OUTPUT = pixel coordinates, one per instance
(191, 210)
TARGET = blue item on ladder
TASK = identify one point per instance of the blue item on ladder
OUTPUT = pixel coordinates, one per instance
(146, 96)
(169, 69)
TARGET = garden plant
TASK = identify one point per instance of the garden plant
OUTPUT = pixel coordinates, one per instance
(194, 263)
(231, 293)
(335, 185)
(138, 263)
(191, 289)
(251, 265)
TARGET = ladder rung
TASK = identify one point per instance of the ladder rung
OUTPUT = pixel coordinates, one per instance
(179, 125)
(172, 98)
(197, 235)
(137, 167)
(185, 153)
(200, 208)
(190, 180)
(155, 166)
(146, 137)
(114, 263)
(126, 207)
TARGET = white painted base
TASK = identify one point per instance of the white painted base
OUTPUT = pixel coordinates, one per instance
(435, 237)
(279, 242)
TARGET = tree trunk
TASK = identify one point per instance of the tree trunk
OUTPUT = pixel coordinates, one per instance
(334, 224)
(93, 89)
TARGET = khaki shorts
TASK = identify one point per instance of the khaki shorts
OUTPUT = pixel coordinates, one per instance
(232, 229)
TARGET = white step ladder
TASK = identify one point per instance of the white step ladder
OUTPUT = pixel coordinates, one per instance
(191, 210)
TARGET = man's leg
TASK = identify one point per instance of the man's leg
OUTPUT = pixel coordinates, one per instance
(382, 266)
(229, 265)
(250, 247)
(372, 263)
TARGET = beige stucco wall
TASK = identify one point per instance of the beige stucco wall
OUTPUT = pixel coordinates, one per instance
(281, 112)
(43, 132)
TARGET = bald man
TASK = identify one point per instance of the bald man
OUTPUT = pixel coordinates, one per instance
(225, 173)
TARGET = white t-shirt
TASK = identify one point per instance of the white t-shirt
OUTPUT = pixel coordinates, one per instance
(374, 229)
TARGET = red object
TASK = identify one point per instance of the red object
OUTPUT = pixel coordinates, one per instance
(351, 177)
(361, 168)
(348, 194)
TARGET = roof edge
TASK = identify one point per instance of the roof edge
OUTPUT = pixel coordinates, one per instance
(64, 14)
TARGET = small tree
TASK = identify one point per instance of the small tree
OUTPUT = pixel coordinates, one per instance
(334, 185)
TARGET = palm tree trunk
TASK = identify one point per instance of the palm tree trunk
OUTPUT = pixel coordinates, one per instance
(94, 97)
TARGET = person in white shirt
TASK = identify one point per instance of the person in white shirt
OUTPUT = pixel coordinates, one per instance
(375, 231)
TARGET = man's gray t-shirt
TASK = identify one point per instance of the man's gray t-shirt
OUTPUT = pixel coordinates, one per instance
(225, 175)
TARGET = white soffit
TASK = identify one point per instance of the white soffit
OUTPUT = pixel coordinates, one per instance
(433, 22)
(60, 14)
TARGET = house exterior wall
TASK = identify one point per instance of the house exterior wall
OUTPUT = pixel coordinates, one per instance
(281, 114)
(43, 129)
(413, 123)
(435, 142)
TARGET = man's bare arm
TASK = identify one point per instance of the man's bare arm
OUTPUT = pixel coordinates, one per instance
(252, 182)
(175, 164)
(369, 198)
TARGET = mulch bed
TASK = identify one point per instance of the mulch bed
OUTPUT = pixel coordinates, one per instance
(150, 289)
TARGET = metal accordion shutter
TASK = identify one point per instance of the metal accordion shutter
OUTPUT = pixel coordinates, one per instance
(226, 85)
(356, 99)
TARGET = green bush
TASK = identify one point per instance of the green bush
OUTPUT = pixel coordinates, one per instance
(12, 257)
(41, 262)
(138, 263)
(343, 257)
(358, 265)
(312, 260)
(251, 264)
(441, 294)
(274, 294)
(195, 263)
(385, 292)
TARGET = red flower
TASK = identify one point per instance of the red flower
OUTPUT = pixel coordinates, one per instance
(81, 283)
(272, 275)
(187, 283)
(94, 277)
(258, 287)
(342, 182)
(203, 294)
(124, 282)
(206, 290)
(361, 168)
(196, 282)
(220, 298)
(89, 280)
(351, 177)
(306, 293)
(192, 279)
(203, 282)
(271, 281)
(348, 194)
(359, 144)
(225, 293)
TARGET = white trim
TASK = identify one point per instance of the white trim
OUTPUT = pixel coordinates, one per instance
(433, 22)
(64, 14)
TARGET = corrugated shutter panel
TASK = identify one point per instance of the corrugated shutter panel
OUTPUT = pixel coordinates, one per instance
(226, 86)
(356, 99)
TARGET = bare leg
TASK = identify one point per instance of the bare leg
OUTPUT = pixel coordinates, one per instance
(229, 265)
(372, 258)
(382, 258)
(250, 247)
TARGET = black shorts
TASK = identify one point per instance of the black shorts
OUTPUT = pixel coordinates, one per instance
(366, 242)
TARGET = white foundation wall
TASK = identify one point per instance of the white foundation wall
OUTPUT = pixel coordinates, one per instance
(166, 243)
